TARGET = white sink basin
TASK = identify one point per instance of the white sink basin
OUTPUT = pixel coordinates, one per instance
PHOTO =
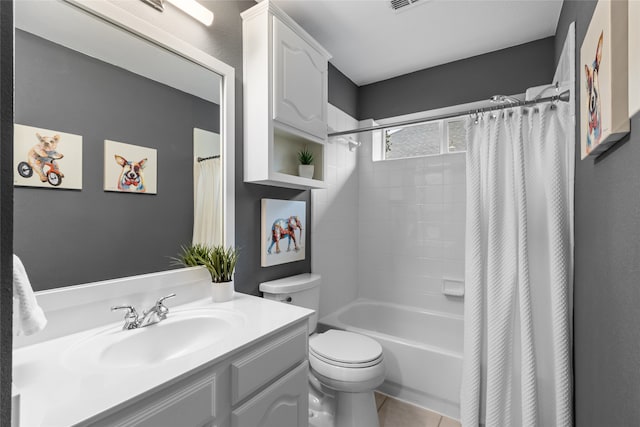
(182, 333)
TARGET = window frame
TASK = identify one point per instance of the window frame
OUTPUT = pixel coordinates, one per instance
(443, 125)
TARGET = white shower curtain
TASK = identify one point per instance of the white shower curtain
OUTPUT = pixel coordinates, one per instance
(519, 264)
(207, 202)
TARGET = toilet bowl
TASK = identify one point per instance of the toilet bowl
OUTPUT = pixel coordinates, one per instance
(345, 367)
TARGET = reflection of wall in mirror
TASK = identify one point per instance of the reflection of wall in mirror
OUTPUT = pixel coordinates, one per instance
(205, 143)
(57, 88)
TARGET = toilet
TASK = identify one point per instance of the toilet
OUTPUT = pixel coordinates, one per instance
(345, 367)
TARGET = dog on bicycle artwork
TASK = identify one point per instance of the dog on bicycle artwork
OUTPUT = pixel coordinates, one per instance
(42, 159)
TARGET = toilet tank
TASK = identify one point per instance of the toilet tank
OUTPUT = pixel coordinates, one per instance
(302, 290)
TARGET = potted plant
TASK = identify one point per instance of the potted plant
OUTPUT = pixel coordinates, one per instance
(305, 168)
(220, 263)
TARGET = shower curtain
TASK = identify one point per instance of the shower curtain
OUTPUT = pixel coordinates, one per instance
(519, 264)
(207, 202)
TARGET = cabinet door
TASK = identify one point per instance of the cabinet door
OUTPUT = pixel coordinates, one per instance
(187, 404)
(283, 404)
(300, 82)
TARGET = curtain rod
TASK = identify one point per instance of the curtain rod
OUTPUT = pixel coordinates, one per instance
(202, 159)
(564, 97)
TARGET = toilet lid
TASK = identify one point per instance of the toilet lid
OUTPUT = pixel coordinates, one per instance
(345, 347)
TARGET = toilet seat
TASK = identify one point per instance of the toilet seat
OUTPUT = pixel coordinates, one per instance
(345, 349)
(345, 364)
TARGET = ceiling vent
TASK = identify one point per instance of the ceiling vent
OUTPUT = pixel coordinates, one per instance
(402, 5)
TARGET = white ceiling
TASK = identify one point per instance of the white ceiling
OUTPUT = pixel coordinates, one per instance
(370, 41)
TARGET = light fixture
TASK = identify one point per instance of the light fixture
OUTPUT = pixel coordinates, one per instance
(190, 7)
(195, 10)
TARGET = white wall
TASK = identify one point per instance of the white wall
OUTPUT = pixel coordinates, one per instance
(387, 230)
(334, 216)
(411, 228)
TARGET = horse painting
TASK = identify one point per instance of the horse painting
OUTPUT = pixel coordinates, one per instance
(282, 228)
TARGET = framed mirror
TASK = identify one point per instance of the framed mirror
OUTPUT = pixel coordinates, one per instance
(122, 110)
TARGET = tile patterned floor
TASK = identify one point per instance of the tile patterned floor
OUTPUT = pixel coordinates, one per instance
(395, 413)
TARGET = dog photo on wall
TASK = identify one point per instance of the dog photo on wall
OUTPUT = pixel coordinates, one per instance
(130, 168)
(47, 158)
(604, 117)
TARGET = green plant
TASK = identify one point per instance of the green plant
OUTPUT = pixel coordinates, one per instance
(219, 261)
(305, 156)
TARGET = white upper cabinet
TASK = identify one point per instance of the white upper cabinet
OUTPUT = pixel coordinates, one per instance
(300, 82)
(285, 99)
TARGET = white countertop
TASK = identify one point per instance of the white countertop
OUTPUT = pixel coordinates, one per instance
(54, 394)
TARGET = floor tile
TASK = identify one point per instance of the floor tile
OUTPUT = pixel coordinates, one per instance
(380, 398)
(448, 422)
(395, 413)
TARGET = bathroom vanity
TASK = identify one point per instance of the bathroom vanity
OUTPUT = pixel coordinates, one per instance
(241, 363)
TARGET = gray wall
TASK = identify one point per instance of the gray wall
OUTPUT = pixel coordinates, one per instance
(6, 208)
(67, 237)
(224, 41)
(507, 72)
(343, 93)
(607, 267)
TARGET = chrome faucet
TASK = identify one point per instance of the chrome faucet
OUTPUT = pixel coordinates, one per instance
(155, 314)
(130, 318)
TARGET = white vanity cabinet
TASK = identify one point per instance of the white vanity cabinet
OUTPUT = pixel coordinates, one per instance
(188, 403)
(264, 384)
(285, 98)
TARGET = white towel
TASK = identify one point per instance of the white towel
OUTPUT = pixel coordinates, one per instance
(28, 317)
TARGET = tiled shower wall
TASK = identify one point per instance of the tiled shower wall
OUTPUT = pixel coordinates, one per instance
(411, 228)
(387, 230)
(334, 234)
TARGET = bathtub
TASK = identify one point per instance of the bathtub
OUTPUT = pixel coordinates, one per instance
(422, 350)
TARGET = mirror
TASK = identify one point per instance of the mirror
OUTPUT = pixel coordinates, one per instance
(93, 84)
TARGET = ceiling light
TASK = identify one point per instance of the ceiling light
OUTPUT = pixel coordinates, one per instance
(195, 9)
(190, 7)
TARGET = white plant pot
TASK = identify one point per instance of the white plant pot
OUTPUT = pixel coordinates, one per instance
(222, 292)
(305, 171)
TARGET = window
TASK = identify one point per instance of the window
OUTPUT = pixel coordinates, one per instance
(423, 139)
(456, 136)
(412, 141)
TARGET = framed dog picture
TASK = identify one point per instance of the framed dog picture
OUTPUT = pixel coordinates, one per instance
(634, 58)
(130, 168)
(283, 238)
(604, 108)
(46, 158)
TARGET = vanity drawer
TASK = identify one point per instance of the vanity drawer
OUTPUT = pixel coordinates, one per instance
(268, 362)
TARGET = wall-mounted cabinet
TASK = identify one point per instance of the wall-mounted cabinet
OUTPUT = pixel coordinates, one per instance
(285, 98)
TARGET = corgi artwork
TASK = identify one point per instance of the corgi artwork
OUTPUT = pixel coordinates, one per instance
(594, 118)
(131, 178)
(45, 151)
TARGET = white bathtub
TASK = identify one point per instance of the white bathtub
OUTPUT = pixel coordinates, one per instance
(422, 350)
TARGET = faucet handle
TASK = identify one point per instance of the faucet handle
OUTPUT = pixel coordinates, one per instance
(161, 309)
(161, 300)
(130, 318)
